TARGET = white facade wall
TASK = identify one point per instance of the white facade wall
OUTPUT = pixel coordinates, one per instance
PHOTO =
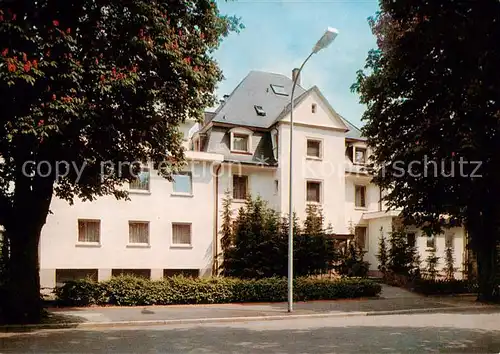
(160, 207)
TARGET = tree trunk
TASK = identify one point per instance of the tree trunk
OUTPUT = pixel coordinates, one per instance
(23, 303)
(487, 269)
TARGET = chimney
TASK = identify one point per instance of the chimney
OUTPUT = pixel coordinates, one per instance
(295, 74)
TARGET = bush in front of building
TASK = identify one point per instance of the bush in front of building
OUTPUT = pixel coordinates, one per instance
(443, 286)
(133, 291)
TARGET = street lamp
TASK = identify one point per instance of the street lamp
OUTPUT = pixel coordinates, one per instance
(324, 41)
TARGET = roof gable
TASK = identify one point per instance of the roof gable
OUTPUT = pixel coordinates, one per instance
(325, 115)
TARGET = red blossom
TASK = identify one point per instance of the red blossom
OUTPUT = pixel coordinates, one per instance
(11, 67)
(40, 122)
(196, 69)
(202, 35)
(453, 154)
(48, 53)
(5, 52)
(103, 78)
(42, 105)
(27, 66)
(180, 33)
(35, 64)
(188, 60)
(14, 16)
(68, 31)
(96, 61)
(55, 23)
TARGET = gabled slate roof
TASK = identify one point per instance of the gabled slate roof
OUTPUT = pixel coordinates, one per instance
(255, 90)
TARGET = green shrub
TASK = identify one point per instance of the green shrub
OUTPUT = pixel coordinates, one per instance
(132, 291)
(443, 287)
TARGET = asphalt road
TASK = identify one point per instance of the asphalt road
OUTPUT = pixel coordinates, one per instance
(444, 333)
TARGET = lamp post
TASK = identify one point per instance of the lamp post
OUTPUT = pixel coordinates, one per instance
(327, 38)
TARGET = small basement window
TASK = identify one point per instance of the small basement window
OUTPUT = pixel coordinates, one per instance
(279, 90)
(260, 111)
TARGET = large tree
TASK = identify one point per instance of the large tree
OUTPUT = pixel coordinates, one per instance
(432, 90)
(85, 85)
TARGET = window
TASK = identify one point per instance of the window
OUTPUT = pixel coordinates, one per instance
(240, 142)
(411, 239)
(138, 232)
(313, 108)
(65, 275)
(448, 239)
(260, 111)
(279, 90)
(359, 155)
(314, 148)
(360, 197)
(141, 181)
(431, 241)
(240, 184)
(181, 234)
(197, 145)
(276, 186)
(360, 235)
(89, 231)
(313, 192)
(142, 273)
(188, 273)
(183, 183)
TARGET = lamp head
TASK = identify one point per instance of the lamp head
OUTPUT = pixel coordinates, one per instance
(327, 38)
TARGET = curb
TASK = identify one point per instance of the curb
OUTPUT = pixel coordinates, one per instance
(25, 328)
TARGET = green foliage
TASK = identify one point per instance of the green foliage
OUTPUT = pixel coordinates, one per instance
(131, 291)
(259, 243)
(86, 83)
(443, 287)
(382, 256)
(432, 261)
(425, 106)
(449, 260)
(351, 263)
(401, 255)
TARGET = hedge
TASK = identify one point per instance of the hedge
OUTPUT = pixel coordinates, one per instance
(133, 291)
(443, 287)
(431, 287)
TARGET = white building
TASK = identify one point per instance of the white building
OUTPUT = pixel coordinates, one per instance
(172, 227)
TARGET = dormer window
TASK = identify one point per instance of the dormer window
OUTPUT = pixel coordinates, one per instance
(240, 140)
(359, 155)
(260, 111)
(279, 90)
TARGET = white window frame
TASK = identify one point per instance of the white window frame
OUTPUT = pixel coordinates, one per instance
(87, 243)
(139, 191)
(241, 132)
(182, 245)
(139, 244)
(354, 155)
(320, 182)
(365, 196)
(246, 187)
(187, 194)
(312, 157)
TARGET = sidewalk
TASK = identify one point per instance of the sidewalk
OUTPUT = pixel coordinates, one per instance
(392, 301)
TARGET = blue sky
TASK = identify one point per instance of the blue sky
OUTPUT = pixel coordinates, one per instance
(280, 34)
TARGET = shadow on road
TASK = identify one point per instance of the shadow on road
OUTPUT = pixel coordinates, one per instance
(226, 339)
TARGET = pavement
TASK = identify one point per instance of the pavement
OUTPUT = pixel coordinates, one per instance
(421, 333)
(392, 300)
